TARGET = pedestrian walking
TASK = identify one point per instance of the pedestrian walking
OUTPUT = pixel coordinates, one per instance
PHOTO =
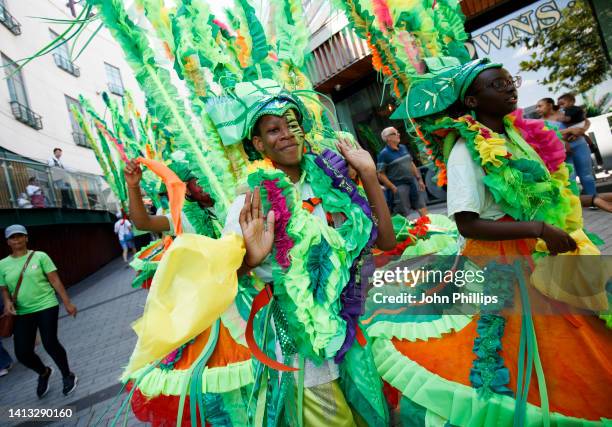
(123, 230)
(29, 280)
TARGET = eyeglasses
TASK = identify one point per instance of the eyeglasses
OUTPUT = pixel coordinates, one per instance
(501, 85)
(392, 133)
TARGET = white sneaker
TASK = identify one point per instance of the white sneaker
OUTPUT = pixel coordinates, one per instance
(6, 370)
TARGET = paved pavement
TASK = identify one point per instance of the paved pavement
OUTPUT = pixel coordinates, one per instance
(99, 342)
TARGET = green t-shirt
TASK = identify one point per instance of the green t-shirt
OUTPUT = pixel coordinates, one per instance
(36, 293)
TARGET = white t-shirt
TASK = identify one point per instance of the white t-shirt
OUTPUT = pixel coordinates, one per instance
(313, 375)
(55, 162)
(33, 189)
(123, 227)
(465, 191)
(187, 227)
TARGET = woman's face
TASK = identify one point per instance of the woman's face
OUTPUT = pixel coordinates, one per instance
(492, 93)
(543, 108)
(17, 242)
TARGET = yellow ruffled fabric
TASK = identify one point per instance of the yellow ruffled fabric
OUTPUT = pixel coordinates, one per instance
(195, 283)
(576, 280)
(573, 221)
(490, 149)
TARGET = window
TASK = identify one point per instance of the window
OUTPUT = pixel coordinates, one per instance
(77, 133)
(8, 20)
(19, 97)
(61, 56)
(113, 75)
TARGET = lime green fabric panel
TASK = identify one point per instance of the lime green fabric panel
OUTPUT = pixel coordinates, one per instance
(36, 293)
(457, 403)
(413, 331)
(214, 380)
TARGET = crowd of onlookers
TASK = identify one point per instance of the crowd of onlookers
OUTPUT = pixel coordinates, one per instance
(34, 194)
(573, 125)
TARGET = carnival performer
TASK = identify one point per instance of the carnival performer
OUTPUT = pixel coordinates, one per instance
(284, 217)
(196, 210)
(510, 195)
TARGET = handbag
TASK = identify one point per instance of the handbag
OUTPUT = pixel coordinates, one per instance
(8, 322)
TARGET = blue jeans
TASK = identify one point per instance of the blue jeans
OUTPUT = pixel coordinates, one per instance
(580, 159)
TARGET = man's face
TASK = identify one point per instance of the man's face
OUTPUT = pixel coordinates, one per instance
(58, 153)
(565, 103)
(489, 93)
(392, 137)
(281, 139)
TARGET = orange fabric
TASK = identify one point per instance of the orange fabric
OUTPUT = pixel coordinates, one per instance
(176, 189)
(574, 350)
(226, 351)
(441, 355)
(161, 411)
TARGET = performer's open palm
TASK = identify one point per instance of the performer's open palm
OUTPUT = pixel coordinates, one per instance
(257, 230)
(358, 158)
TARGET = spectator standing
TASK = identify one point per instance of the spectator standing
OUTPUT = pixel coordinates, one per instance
(55, 160)
(123, 230)
(398, 173)
(35, 193)
(36, 307)
(548, 111)
(579, 154)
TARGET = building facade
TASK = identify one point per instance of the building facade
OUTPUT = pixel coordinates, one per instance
(341, 65)
(69, 209)
(35, 101)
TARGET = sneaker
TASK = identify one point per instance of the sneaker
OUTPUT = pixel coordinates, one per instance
(70, 383)
(43, 383)
(5, 371)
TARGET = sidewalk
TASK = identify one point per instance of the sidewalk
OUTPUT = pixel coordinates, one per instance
(100, 341)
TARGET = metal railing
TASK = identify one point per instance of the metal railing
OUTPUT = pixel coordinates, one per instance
(9, 21)
(26, 184)
(25, 115)
(66, 65)
(337, 53)
(79, 138)
(116, 89)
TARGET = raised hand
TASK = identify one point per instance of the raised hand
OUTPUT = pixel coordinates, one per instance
(257, 231)
(133, 173)
(358, 158)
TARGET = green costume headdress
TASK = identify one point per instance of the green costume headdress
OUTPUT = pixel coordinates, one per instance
(235, 116)
(441, 88)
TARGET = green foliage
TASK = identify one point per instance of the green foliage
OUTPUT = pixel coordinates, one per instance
(571, 50)
(595, 107)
